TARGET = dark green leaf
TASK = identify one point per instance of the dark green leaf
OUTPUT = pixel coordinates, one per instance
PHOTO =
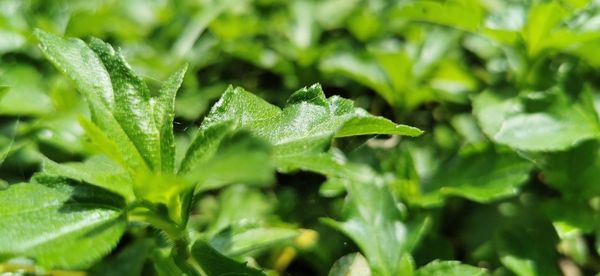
(214, 263)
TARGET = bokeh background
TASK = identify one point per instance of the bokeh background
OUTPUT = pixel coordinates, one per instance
(506, 90)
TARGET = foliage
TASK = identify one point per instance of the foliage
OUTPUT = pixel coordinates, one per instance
(128, 145)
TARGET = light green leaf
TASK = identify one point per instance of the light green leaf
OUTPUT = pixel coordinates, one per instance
(464, 15)
(371, 125)
(482, 177)
(164, 264)
(132, 103)
(236, 242)
(540, 121)
(363, 70)
(449, 268)
(77, 61)
(541, 20)
(59, 223)
(375, 224)
(240, 204)
(98, 170)
(350, 265)
(27, 93)
(239, 158)
(214, 263)
(164, 113)
(306, 125)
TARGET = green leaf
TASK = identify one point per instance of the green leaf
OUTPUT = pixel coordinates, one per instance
(59, 223)
(541, 20)
(363, 70)
(239, 158)
(164, 264)
(77, 61)
(164, 113)
(528, 251)
(129, 261)
(306, 125)
(239, 241)
(97, 170)
(350, 265)
(464, 15)
(214, 263)
(27, 93)
(449, 268)
(132, 103)
(573, 214)
(540, 121)
(371, 125)
(572, 172)
(482, 177)
(240, 204)
(375, 224)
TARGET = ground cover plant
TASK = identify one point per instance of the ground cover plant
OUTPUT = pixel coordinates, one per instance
(454, 137)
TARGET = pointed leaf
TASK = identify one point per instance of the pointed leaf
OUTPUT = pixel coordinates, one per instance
(164, 113)
(375, 224)
(215, 263)
(77, 61)
(307, 124)
(59, 223)
(98, 170)
(132, 104)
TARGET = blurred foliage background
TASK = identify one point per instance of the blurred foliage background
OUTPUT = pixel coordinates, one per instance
(506, 90)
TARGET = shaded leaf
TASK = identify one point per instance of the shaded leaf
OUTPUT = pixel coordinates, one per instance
(59, 223)
(528, 251)
(97, 170)
(214, 263)
(482, 177)
(375, 224)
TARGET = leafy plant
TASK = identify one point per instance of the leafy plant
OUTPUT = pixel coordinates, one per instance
(70, 215)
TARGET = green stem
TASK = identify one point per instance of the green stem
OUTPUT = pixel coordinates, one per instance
(146, 212)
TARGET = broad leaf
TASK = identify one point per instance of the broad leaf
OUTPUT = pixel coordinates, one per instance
(132, 105)
(306, 125)
(375, 224)
(240, 158)
(129, 261)
(77, 61)
(528, 252)
(464, 15)
(97, 170)
(59, 223)
(214, 263)
(481, 177)
(541, 121)
(573, 172)
(239, 241)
